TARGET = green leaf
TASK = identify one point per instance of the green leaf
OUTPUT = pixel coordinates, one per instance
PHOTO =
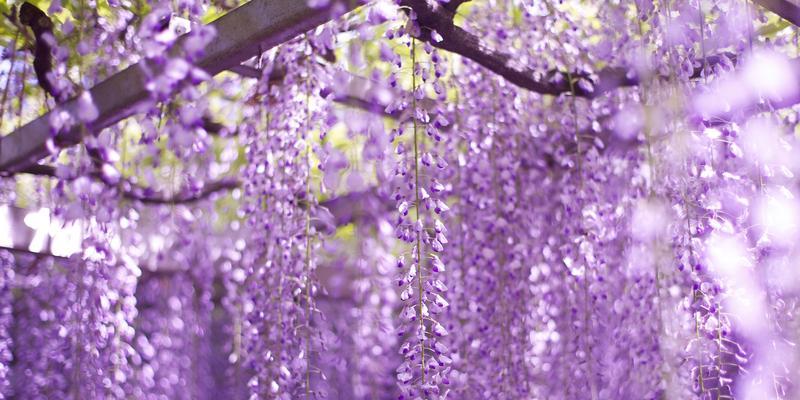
(772, 28)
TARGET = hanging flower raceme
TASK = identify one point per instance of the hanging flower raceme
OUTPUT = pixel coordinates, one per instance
(98, 324)
(490, 245)
(421, 208)
(172, 336)
(40, 330)
(360, 363)
(78, 343)
(7, 273)
(276, 177)
(279, 334)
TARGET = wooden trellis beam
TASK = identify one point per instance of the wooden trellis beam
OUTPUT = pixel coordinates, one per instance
(266, 23)
(365, 206)
(786, 9)
(259, 24)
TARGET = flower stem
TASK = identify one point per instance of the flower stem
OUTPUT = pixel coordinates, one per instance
(586, 303)
(417, 207)
(308, 238)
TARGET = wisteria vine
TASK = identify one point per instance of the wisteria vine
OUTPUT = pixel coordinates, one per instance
(401, 199)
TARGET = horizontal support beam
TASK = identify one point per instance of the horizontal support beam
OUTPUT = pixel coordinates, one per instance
(786, 9)
(259, 24)
(365, 207)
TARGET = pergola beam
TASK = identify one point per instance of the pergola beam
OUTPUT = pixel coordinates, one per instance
(786, 9)
(259, 24)
(262, 24)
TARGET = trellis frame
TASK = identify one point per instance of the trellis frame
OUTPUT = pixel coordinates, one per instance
(259, 24)
(263, 24)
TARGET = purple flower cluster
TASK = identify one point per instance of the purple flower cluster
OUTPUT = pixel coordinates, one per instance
(592, 200)
(421, 209)
(6, 319)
